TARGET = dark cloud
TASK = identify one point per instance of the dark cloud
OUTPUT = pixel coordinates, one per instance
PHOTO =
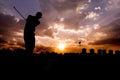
(117, 15)
(113, 34)
(1, 4)
(42, 29)
(21, 44)
(53, 10)
(7, 20)
(49, 33)
(8, 26)
(66, 5)
(2, 41)
(112, 29)
(58, 5)
(112, 41)
(43, 24)
(41, 48)
(74, 21)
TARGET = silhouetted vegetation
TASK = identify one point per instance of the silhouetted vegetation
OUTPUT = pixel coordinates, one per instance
(54, 61)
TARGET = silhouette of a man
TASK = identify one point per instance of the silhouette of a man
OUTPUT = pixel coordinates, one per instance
(29, 31)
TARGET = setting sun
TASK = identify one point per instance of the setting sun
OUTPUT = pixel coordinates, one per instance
(61, 46)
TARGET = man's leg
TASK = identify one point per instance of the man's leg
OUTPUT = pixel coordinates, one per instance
(29, 45)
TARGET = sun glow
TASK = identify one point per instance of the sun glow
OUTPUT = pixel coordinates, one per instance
(61, 46)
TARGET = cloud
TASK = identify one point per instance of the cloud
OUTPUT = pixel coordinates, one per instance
(9, 25)
(49, 33)
(71, 34)
(2, 41)
(43, 29)
(1, 4)
(112, 29)
(74, 21)
(65, 6)
(92, 15)
(45, 41)
(55, 10)
(112, 32)
(7, 21)
(111, 4)
(112, 41)
(4, 8)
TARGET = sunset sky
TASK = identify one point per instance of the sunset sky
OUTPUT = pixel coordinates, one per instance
(94, 23)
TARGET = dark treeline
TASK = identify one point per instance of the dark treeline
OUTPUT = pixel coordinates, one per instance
(54, 61)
